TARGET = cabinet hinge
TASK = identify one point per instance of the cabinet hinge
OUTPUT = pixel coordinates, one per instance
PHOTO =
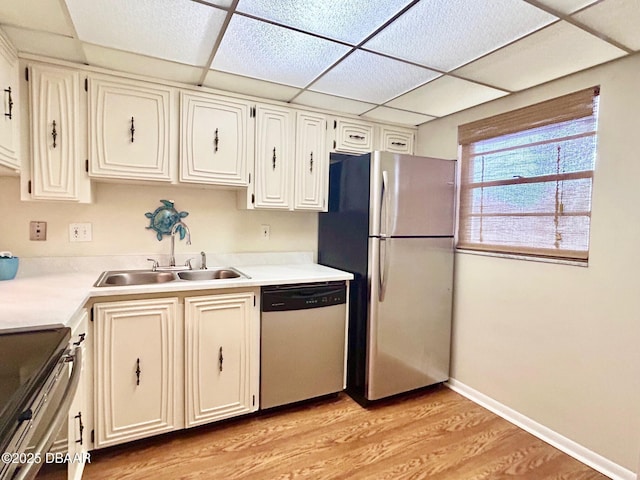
(29, 186)
(249, 179)
(254, 300)
(335, 124)
(252, 112)
(26, 73)
(254, 400)
(86, 84)
(86, 165)
(91, 315)
(253, 198)
(334, 144)
(93, 436)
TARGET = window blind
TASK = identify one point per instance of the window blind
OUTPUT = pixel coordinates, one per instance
(526, 179)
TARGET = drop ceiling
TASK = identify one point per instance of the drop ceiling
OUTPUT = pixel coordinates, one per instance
(401, 61)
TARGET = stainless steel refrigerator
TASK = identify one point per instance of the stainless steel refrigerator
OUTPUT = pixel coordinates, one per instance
(390, 222)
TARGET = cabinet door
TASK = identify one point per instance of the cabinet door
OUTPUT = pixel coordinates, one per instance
(54, 106)
(9, 120)
(77, 432)
(274, 150)
(396, 140)
(353, 136)
(311, 162)
(136, 370)
(221, 348)
(213, 136)
(129, 129)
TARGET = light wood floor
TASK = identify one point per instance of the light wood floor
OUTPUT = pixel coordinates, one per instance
(435, 434)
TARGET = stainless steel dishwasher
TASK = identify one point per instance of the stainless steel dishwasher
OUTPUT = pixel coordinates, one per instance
(303, 342)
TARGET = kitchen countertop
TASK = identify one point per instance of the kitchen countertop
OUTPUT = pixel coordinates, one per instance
(54, 298)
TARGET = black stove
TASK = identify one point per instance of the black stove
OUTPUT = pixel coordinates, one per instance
(28, 357)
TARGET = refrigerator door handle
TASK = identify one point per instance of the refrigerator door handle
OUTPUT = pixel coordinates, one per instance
(383, 269)
(384, 205)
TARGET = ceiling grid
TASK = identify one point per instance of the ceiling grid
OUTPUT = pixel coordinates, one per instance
(402, 61)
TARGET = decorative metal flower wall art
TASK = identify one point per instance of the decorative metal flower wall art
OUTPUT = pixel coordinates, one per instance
(164, 218)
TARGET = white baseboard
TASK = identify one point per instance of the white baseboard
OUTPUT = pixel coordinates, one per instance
(577, 451)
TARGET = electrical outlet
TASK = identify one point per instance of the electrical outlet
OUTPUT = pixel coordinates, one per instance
(38, 231)
(265, 232)
(80, 232)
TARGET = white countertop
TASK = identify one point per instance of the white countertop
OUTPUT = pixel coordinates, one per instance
(54, 298)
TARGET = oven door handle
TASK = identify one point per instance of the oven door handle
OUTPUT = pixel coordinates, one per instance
(30, 470)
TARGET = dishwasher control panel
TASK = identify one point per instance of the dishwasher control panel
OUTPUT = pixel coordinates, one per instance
(300, 297)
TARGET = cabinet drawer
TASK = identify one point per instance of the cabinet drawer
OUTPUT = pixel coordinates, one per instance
(396, 140)
(353, 137)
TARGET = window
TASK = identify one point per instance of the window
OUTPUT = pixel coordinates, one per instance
(526, 179)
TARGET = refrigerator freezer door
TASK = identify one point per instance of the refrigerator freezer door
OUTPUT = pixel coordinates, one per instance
(409, 314)
(411, 196)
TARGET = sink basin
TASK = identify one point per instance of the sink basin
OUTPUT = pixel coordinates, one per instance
(218, 274)
(133, 277)
(121, 278)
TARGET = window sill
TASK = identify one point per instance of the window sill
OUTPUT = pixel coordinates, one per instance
(514, 256)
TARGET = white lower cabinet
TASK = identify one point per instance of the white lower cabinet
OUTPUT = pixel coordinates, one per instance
(136, 369)
(156, 371)
(221, 333)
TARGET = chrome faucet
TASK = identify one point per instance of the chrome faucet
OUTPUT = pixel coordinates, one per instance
(174, 229)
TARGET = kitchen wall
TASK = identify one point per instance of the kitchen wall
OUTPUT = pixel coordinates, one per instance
(559, 343)
(118, 223)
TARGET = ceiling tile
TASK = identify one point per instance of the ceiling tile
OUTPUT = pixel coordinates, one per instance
(220, 3)
(258, 49)
(371, 78)
(446, 95)
(140, 64)
(178, 30)
(330, 102)
(43, 43)
(45, 15)
(556, 51)
(445, 34)
(249, 86)
(386, 114)
(566, 6)
(350, 21)
(617, 19)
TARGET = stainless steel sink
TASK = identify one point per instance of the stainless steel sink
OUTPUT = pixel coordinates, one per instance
(217, 274)
(133, 277)
(120, 278)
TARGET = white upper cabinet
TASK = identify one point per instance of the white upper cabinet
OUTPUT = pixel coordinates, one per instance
(396, 140)
(215, 139)
(130, 134)
(54, 106)
(9, 126)
(352, 136)
(274, 157)
(311, 162)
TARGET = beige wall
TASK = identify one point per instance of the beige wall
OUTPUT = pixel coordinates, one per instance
(560, 343)
(118, 223)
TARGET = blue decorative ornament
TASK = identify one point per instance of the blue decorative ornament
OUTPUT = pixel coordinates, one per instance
(164, 218)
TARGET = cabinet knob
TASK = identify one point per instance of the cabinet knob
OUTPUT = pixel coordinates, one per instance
(54, 133)
(138, 371)
(216, 142)
(132, 129)
(220, 359)
(9, 103)
(274, 158)
(311, 163)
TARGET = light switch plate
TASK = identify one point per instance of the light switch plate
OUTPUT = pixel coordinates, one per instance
(80, 232)
(265, 232)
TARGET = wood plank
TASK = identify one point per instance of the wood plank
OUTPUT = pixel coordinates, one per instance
(435, 434)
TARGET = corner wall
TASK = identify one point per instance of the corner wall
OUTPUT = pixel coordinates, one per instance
(558, 343)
